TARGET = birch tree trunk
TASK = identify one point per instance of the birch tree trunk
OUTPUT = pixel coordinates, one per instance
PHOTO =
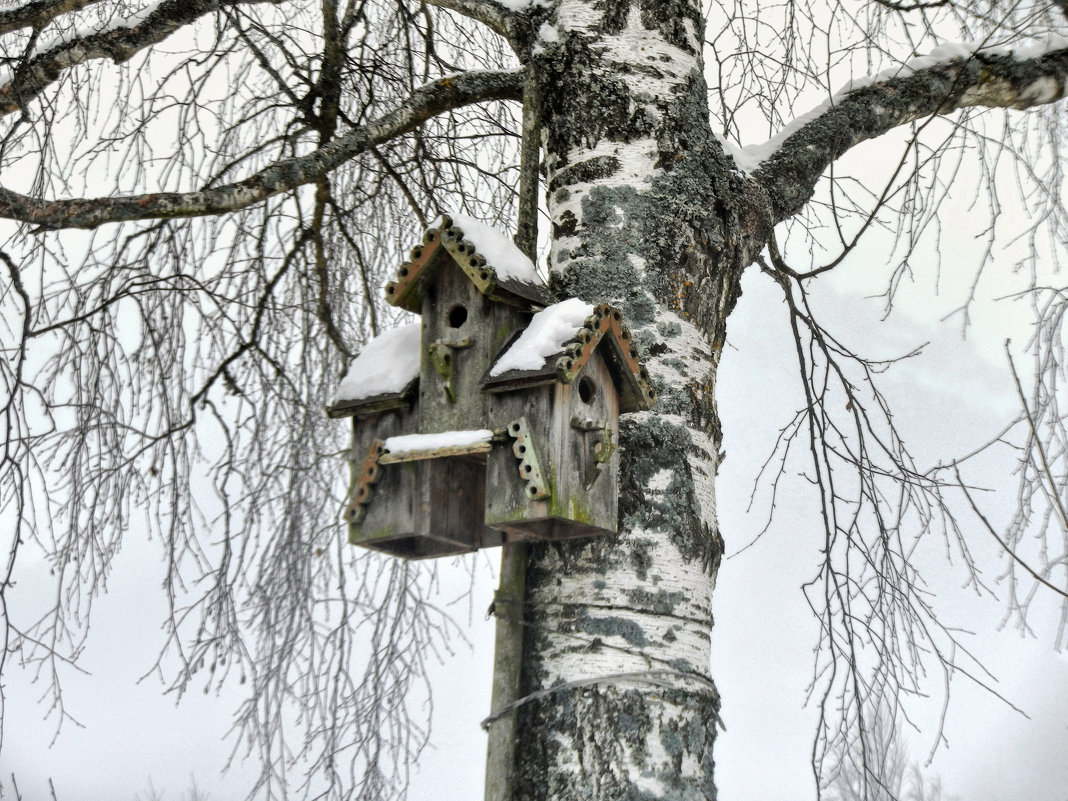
(646, 213)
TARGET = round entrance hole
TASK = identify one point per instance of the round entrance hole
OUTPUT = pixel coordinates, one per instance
(457, 316)
(586, 390)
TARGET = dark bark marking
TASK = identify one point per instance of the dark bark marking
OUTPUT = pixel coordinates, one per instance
(615, 14)
(585, 172)
(667, 16)
(629, 630)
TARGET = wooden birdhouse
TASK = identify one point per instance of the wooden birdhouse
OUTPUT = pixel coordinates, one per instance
(561, 386)
(493, 418)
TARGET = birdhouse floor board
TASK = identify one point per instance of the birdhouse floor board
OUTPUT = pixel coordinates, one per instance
(415, 547)
(548, 528)
(412, 447)
(368, 406)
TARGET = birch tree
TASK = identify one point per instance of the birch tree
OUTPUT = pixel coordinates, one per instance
(204, 198)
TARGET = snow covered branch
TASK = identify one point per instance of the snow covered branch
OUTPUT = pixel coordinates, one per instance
(427, 101)
(37, 14)
(983, 79)
(118, 42)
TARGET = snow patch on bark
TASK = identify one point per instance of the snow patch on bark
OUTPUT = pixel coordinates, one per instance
(1043, 90)
(548, 33)
(103, 21)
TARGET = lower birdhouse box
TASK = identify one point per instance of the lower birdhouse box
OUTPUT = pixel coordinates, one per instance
(558, 475)
(422, 496)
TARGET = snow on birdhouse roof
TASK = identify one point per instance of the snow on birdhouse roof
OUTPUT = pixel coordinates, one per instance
(547, 334)
(495, 246)
(558, 343)
(382, 375)
(487, 256)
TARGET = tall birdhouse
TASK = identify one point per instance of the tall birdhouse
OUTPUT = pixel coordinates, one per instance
(496, 416)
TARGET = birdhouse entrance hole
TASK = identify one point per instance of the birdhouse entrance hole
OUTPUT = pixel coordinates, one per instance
(586, 389)
(457, 316)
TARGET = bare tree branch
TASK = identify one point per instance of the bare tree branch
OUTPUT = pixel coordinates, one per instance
(116, 43)
(38, 13)
(427, 101)
(1004, 545)
(1044, 468)
(491, 14)
(982, 80)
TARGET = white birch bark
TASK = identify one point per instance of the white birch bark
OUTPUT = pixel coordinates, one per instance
(619, 628)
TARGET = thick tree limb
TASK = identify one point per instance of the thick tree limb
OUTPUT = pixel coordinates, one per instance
(427, 101)
(38, 13)
(491, 14)
(990, 81)
(118, 43)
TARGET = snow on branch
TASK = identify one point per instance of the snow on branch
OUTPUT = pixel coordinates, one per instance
(789, 166)
(119, 42)
(38, 13)
(425, 102)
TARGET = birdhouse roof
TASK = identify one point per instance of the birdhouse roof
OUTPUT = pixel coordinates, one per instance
(383, 376)
(487, 256)
(557, 345)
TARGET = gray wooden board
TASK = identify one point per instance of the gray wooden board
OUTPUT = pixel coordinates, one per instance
(390, 513)
(488, 325)
(565, 454)
(374, 404)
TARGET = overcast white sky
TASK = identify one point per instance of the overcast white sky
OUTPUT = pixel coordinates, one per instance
(952, 399)
(949, 401)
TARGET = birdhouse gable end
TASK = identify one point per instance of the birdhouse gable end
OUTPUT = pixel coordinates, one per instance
(558, 344)
(489, 259)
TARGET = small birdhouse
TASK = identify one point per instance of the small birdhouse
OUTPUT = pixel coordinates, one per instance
(496, 416)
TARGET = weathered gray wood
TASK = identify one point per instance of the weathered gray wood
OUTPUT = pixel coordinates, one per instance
(486, 325)
(506, 502)
(597, 505)
(465, 497)
(373, 405)
(400, 518)
(567, 456)
(510, 601)
(390, 515)
(435, 453)
(452, 502)
(509, 607)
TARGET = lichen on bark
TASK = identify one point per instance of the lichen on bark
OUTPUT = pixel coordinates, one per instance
(647, 212)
